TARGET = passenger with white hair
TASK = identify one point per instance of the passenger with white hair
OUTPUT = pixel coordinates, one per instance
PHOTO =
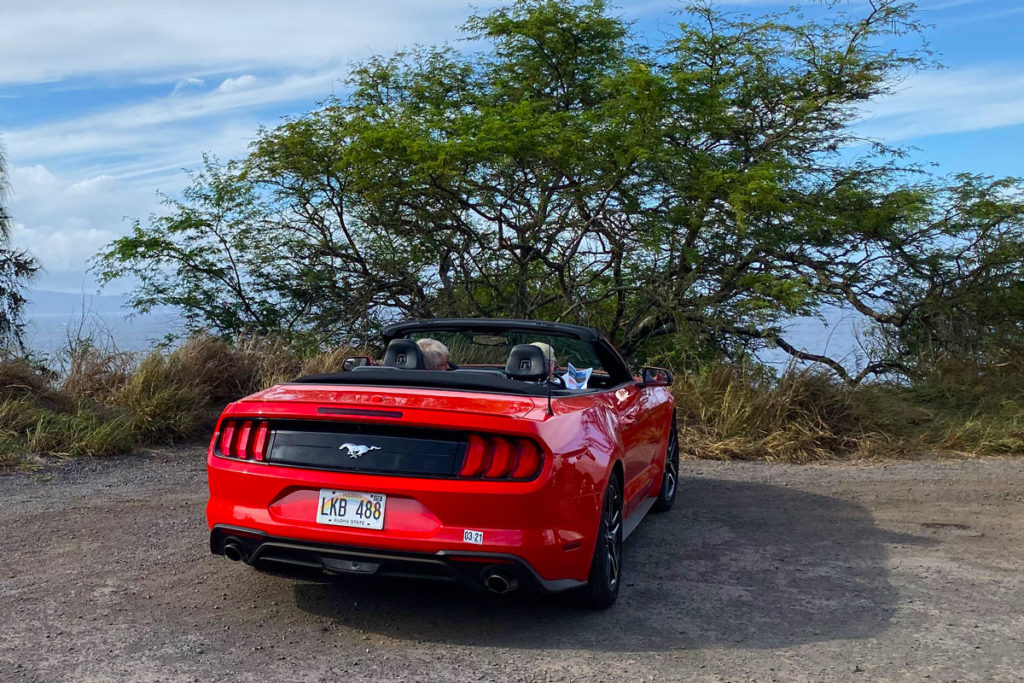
(435, 354)
(549, 356)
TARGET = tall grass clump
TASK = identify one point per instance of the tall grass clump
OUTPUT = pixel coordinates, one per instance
(37, 417)
(739, 411)
(108, 402)
(177, 395)
(973, 407)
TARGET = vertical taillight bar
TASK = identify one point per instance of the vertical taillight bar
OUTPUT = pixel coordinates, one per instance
(259, 444)
(477, 457)
(245, 441)
(502, 460)
(227, 435)
(529, 461)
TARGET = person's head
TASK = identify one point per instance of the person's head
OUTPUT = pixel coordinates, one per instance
(549, 355)
(435, 354)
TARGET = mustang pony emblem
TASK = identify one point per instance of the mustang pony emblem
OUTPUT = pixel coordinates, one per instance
(357, 449)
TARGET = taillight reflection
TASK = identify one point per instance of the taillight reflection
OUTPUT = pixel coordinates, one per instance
(499, 457)
(244, 440)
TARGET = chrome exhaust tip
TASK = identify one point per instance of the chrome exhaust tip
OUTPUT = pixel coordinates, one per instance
(499, 582)
(234, 551)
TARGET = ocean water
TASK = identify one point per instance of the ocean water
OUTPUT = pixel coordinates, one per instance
(839, 334)
(47, 333)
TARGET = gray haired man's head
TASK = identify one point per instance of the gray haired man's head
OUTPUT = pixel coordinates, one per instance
(435, 354)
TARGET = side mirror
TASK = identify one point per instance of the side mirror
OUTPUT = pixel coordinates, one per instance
(656, 377)
(355, 362)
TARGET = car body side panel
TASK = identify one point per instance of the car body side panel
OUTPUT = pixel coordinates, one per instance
(657, 409)
(608, 430)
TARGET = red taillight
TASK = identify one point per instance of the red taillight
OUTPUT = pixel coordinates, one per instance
(529, 460)
(259, 444)
(244, 441)
(499, 457)
(503, 459)
(227, 436)
(477, 457)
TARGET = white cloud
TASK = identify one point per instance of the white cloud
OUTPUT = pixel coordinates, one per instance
(189, 82)
(244, 82)
(64, 221)
(137, 127)
(58, 39)
(950, 101)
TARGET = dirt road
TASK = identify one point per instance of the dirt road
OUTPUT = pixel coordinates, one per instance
(895, 572)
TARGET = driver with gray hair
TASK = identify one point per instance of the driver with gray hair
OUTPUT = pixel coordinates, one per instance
(435, 354)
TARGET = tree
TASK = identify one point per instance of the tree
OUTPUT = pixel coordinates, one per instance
(16, 269)
(706, 189)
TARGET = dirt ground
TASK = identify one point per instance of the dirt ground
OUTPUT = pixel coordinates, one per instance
(901, 571)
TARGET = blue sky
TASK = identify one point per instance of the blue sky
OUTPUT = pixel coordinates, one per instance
(102, 103)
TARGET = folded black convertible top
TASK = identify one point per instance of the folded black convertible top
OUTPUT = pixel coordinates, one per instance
(463, 379)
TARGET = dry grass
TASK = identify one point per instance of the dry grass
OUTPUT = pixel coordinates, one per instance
(736, 412)
(95, 373)
(975, 409)
(111, 402)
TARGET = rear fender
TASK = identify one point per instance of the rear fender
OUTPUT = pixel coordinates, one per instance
(586, 448)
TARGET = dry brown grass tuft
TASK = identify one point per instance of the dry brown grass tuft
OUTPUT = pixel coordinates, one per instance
(738, 412)
(94, 373)
(20, 378)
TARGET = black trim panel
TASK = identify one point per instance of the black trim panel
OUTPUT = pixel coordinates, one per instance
(443, 565)
(359, 412)
(366, 448)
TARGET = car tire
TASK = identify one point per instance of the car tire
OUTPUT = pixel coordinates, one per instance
(670, 479)
(602, 587)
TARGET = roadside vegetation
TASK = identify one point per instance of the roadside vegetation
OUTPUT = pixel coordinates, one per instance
(730, 411)
(106, 402)
(687, 198)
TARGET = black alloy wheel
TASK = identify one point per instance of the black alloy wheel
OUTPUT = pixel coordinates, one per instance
(602, 587)
(670, 481)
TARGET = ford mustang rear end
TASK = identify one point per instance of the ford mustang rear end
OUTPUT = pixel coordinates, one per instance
(488, 476)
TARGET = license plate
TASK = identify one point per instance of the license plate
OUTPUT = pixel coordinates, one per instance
(351, 508)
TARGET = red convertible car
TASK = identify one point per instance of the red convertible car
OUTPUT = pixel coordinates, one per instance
(524, 463)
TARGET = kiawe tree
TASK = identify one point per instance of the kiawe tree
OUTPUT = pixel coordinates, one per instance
(16, 269)
(705, 190)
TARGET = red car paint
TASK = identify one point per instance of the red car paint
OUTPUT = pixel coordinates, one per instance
(549, 523)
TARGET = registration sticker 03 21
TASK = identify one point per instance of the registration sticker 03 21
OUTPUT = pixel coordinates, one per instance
(351, 508)
(470, 536)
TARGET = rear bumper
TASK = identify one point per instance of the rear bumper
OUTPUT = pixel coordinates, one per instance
(468, 568)
(547, 525)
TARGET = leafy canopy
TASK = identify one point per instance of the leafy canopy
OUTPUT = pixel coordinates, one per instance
(704, 189)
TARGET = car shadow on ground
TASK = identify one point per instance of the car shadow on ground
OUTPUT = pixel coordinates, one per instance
(733, 564)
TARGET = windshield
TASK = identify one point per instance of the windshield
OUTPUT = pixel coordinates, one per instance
(478, 349)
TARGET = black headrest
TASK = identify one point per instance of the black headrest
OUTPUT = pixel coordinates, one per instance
(403, 353)
(527, 363)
